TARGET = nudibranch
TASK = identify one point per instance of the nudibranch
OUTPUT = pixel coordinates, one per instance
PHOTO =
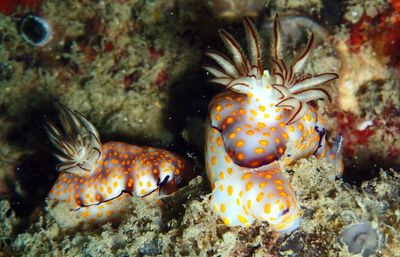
(261, 124)
(97, 179)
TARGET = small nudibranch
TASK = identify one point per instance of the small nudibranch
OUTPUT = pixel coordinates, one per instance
(97, 179)
(263, 123)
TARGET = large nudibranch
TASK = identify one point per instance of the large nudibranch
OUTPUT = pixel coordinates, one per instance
(98, 178)
(263, 123)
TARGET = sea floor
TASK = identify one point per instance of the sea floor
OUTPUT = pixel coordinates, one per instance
(134, 69)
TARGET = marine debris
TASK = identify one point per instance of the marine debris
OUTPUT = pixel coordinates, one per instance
(35, 30)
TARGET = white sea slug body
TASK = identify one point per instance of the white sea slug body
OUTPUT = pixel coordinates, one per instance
(98, 179)
(262, 123)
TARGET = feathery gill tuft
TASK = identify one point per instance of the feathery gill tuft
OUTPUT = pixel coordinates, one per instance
(78, 143)
(239, 72)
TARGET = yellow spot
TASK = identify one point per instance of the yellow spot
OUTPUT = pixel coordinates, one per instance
(279, 117)
(218, 108)
(215, 207)
(261, 108)
(258, 150)
(109, 190)
(85, 214)
(308, 117)
(266, 134)
(226, 221)
(229, 170)
(219, 141)
(249, 186)
(267, 208)
(277, 140)
(266, 115)
(227, 159)
(99, 214)
(229, 120)
(270, 195)
(239, 143)
(249, 204)
(232, 135)
(115, 184)
(230, 190)
(263, 142)
(245, 210)
(254, 112)
(148, 184)
(221, 175)
(240, 156)
(262, 184)
(223, 207)
(261, 124)
(300, 126)
(242, 219)
(213, 161)
(246, 176)
(250, 132)
(260, 196)
(285, 135)
(142, 192)
(283, 194)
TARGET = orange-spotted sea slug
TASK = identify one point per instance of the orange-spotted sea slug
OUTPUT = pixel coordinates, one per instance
(261, 124)
(96, 179)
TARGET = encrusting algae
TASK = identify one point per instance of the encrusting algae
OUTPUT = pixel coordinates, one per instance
(133, 67)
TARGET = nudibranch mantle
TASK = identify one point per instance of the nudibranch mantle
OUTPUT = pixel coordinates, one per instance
(263, 123)
(97, 179)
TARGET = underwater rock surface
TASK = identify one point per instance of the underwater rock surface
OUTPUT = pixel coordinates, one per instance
(329, 207)
(133, 68)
